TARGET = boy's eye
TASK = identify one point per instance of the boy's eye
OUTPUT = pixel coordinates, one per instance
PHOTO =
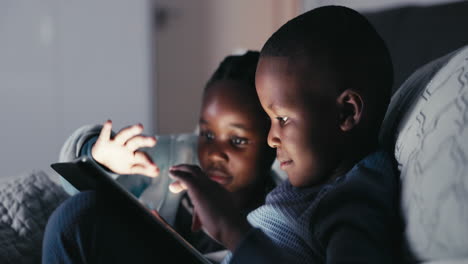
(207, 134)
(239, 141)
(282, 119)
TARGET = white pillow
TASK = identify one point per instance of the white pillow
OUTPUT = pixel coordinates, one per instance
(427, 124)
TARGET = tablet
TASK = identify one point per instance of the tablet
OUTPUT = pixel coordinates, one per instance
(85, 174)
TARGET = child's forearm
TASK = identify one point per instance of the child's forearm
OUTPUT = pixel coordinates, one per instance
(76, 145)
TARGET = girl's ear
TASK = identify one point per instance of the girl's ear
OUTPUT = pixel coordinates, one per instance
(351, 106)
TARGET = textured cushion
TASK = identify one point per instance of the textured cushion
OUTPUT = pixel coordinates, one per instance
(427, 125)
(26, 201)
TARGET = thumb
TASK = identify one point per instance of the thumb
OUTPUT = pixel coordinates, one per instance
(177, 187)
(183, 178)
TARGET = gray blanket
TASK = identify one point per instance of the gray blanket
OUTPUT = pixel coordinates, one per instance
(26, 203)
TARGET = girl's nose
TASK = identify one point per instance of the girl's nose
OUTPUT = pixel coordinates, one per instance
(217, 151)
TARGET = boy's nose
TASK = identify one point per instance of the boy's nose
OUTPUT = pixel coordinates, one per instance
(273, 139)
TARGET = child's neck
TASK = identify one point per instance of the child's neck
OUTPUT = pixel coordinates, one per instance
(351, 157)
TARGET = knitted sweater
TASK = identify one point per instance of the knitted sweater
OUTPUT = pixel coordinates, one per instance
(354, 219)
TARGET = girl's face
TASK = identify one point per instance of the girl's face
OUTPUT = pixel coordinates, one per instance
(232, 144)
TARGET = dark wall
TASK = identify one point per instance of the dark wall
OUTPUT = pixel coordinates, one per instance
(418, 35)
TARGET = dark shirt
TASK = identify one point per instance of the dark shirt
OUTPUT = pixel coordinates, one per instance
(354, 219)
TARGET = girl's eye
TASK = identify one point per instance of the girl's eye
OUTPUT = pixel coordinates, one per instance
(239, 141)
(207, 135)
(282, 119)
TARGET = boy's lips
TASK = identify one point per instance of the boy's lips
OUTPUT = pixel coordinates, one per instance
(219, 176)
(285, 163)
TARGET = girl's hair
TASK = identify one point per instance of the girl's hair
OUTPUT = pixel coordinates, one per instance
(237, 68)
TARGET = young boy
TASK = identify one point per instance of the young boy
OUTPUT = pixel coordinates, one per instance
(324, 79)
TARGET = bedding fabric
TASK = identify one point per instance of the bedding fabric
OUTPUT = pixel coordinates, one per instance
(26, 203)
(427, 127)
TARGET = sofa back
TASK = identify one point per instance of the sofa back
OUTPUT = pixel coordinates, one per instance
(426, 126)
(417, 35)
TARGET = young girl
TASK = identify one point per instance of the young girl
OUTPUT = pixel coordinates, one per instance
(232, 150)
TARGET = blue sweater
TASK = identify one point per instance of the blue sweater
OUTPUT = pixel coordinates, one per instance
(354, 219)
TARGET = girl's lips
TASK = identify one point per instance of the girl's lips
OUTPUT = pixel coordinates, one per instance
(221, 179)
(219, 176)
(284, 164)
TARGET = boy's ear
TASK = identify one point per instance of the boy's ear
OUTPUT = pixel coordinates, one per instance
(350, 104)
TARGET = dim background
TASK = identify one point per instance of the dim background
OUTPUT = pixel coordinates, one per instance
(67, 63)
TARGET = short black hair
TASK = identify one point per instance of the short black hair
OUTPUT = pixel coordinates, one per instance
(237, 68)
(357, 53)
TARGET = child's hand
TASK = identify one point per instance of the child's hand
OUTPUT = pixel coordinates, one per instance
(214, 208)
(121, 154)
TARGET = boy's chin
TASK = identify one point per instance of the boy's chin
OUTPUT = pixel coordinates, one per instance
(301, 180)
(296, 181)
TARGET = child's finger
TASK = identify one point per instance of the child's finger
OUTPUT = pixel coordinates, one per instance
(177, 187)
(105, 131)
(138, 142)
(126, 133)
(193, 170)
(144, 159)
(149, 171)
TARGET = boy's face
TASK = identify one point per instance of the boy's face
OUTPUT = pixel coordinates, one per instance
(232, 142)
(300, 100)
